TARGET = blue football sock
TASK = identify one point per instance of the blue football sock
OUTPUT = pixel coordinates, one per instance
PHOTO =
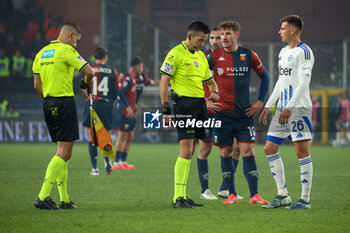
(118, 156)
(93, 155)
(228, 171)
(203, 173)
(123, 156)
(235, 163)
(223, 184)
(251, 174)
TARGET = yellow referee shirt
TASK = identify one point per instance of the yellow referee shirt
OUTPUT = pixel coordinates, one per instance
(55, 64)
(187, 71)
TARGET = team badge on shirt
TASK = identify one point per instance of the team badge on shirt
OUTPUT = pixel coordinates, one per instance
(243, 57)
(196, 64)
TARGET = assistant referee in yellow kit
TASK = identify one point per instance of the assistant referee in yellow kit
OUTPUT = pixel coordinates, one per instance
(53, 69)
(186, 68)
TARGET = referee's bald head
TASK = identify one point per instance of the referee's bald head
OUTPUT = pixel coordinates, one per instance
(70, 27)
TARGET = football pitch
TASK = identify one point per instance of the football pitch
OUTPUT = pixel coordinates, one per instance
(140, 200)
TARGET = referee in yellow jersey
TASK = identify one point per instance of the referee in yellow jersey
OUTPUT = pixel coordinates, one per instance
(186, 68)
(53, 69)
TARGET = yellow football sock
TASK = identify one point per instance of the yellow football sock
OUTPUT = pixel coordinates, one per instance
(62, 184)
(53, 169)
(186, 178)
(180, 170)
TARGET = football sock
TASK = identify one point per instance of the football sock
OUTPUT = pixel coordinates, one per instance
(53, 169)
(235, 162)
(203, 173)
(107, 162)
(123, 157)
(93, 155)
(62, 183)
(306, 171)
(118, 156)
(251, 174)
(228, 171)
(180, 171)
(277, 171)
(223, 184)
(184, 187)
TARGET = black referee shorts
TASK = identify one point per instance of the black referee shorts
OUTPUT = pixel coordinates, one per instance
(61, 118)
(186, 109)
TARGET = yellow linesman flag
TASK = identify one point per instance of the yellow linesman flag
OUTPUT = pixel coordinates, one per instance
(100, 136)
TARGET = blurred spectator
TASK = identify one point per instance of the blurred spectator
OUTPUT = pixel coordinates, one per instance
(10, 111)
(6, 11)
(10, 45)
(32, 29)
(52, 33)
(47, 22)
(342, 123)
(36, 44)
(315, 115)
(3, 107)
(4, 65)
(28, 73)
(18, 64)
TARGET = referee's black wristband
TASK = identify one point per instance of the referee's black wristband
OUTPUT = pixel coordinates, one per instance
(83, 85)
(166, 110)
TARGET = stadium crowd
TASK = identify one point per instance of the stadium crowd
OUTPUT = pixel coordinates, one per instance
(24, 30)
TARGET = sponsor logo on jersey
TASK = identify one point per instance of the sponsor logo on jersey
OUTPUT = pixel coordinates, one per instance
(221, 59)
(220, 71)
(48, 54)
(196, 64)
(243, 57)
(285, 71)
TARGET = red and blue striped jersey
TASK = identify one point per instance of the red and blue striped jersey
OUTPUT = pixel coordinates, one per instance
(142, 81)
(104, 83)
(232, 75)
(128, 85)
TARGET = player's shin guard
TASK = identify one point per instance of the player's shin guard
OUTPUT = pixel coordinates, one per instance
(251, 174)
(180, 171)
(203, 173)
(93, 155)
(62, 184)
(228, 170)
(306, 172)
(277, 171)
(53, 169)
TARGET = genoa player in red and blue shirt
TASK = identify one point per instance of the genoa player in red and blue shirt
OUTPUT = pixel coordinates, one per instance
(232, 66)
(104, 89)
(125, 116)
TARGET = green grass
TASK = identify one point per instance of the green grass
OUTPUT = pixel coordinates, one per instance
(140, 200)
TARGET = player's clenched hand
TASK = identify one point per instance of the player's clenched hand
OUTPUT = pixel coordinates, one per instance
(254, 108)
(285, 114)
(214, 97)
(129, 112)
(214, 107)
(263, 116)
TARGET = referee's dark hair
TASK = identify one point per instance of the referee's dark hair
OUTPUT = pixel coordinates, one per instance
(294, 20)
(136, 61)
(198, 26)
(100, 52)
(73, 26)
